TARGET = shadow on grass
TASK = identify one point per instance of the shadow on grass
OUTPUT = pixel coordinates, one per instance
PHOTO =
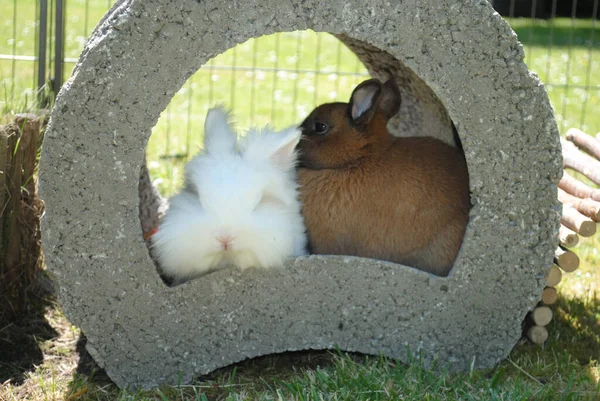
(20, 338)
(257, 374)
(577, 325)
(87, 367)
(278, 366)
(35, 334)
(568, 361)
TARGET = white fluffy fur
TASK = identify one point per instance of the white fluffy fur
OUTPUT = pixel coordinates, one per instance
(246, 191)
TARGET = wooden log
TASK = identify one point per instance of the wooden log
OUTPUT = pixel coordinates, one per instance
(578, 188)
(30, 126)
(567, 237)
(587, 207)
(13, 211)
(4, 168)
(584, 141)
(566, 260)
(575, 159)
(537, 334)
(553, 276)
(549, 295)
(30, 218)
(577, 222)
(20, 211)
(542, 315)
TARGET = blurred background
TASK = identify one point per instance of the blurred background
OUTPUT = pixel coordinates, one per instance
(280, 78)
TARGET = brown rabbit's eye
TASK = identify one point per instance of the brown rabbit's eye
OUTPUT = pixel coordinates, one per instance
(321, 128)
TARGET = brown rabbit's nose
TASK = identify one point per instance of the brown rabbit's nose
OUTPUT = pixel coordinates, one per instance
(225, 241)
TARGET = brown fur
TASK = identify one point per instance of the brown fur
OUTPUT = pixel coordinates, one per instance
(367, 193)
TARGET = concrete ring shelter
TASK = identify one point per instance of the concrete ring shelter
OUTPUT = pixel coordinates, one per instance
(145, 334)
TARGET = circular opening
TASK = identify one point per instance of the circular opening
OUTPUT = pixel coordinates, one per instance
(277, 80)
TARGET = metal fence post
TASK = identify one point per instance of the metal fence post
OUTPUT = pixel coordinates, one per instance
(58, 48)
(42, 43)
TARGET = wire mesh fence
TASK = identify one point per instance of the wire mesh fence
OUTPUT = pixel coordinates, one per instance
(279, 78)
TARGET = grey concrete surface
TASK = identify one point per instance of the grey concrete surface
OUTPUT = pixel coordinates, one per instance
(145, 334)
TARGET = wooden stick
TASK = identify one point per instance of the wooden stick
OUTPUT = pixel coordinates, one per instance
(577, 222)
(587, 207)
(553, 276)
(549, 296)
(542, 315)
(30, 129)
(575, 159)
(4, 168)
(584, 141)
(567, 237)
(567, 260)
(537, 334)
(30, 218)
(13, 249)
(578, 188)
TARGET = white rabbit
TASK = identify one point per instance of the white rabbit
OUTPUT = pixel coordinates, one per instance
(239, 205)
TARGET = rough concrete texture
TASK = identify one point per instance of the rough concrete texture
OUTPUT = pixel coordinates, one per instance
(145, 334)
(422, 113)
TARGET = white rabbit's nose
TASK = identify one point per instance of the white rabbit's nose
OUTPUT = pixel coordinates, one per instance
(225, 241)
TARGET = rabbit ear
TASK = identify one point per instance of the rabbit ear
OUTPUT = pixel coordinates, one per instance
(219, 138)
(364, 101)
(277, 147)
(284, 154)
(390, 98)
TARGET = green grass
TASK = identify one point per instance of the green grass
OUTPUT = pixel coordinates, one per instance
(565, 54)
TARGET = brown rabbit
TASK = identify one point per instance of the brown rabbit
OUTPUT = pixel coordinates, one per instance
(367, 193)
